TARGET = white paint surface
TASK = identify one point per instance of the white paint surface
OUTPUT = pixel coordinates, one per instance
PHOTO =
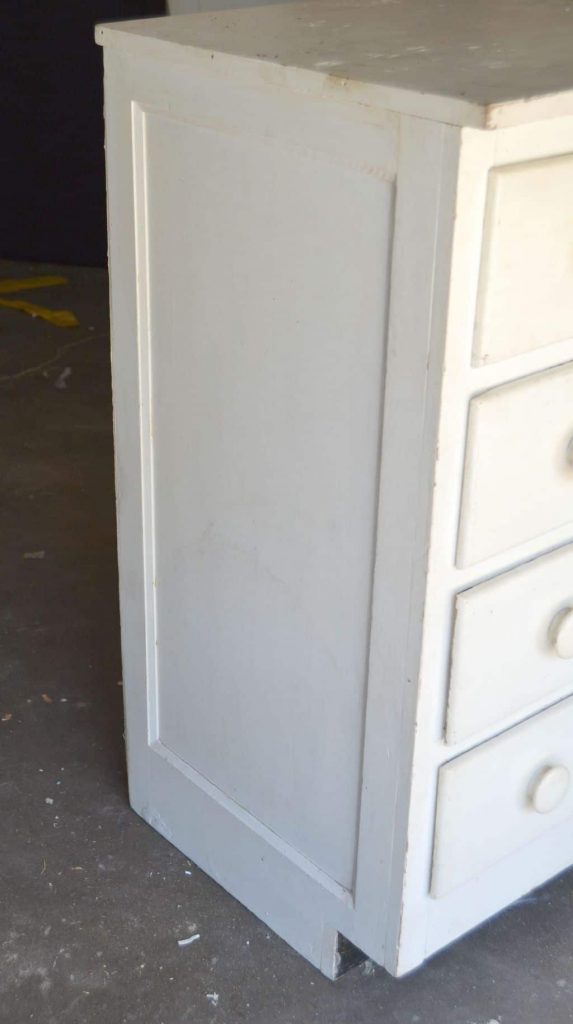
(295, 279)
(266, 357)
(526, 285)
(518, 480)
(484, 64)
(504, 661)
(499, 797)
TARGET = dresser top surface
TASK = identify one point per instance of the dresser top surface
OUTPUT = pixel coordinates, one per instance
(487, 63)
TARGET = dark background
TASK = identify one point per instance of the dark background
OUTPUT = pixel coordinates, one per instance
(52, 173)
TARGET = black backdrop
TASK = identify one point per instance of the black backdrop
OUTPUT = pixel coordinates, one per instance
(52, 198)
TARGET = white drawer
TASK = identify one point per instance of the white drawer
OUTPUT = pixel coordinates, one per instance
(525, 296)
(502, 795)
(518, 477)
(512, 646)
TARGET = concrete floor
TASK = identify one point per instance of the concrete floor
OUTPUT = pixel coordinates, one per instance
(92, 900)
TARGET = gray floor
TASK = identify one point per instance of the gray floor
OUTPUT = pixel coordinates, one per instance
(92, 900)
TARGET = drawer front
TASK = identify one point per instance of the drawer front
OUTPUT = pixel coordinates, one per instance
(518, 477)
(525, 297)
(501, 796)
(512, 646)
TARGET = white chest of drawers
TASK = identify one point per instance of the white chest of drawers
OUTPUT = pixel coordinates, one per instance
(341, 240)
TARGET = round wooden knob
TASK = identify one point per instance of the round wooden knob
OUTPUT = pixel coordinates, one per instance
(561, 633)
(549, 788)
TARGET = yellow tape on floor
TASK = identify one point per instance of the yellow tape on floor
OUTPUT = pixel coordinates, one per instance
(57, 317)
(22, 284)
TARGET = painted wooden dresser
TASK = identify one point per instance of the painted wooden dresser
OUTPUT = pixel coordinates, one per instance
(341, 240)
